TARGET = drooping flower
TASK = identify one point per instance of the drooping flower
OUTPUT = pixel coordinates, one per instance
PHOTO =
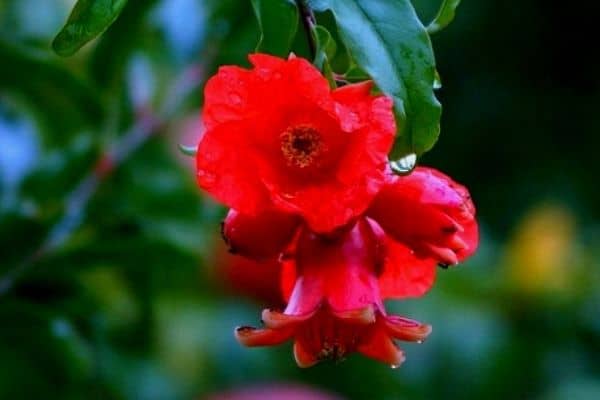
(427, 219)
(335, 307)
(424, 219)
(335, 284)
(278, 137)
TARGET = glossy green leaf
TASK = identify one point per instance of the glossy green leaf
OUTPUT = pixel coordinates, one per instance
(444, 16)
(386, 40)
(88, 19)
(278, 23)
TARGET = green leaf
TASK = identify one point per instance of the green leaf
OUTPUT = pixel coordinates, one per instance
(326, 48)
(356, 74)
(444, 16)
(278, 23)
(386, 40)
(88, 19)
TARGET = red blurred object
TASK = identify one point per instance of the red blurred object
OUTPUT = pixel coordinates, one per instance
(259, 281)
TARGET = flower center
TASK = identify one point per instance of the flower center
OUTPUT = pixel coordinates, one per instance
(300, 145)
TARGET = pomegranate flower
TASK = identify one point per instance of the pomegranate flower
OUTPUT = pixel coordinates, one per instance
(335, 307)
(424, 219)
(335, 284)
(278, 137)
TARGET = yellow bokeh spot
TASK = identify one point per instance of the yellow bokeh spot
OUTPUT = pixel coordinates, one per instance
(540, 256)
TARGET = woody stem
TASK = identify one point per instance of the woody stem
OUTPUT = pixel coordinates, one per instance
(309, 22)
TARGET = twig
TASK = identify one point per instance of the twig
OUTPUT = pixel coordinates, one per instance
(78, 199)
(309, 22)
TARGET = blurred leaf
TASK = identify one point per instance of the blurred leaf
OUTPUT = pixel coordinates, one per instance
(444, 16)
(50, 90)
(387, 40)
(88, 19)
(42, 349)
(109, 59)
(278, 23)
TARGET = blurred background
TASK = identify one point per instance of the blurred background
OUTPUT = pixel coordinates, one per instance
(113, 280)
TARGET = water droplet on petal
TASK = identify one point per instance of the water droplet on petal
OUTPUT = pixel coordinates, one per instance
(235, 98)
(404, 165)
(207, 177)
(419, 341)
(395, 366)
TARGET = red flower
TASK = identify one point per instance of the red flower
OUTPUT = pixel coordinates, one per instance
(428, 220)
(423, 220)
(277, 136)
(335, 284)
(335, 307)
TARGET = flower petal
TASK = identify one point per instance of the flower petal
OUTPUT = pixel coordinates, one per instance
(224, 173)
(229, 96)
(380, 347)
(253, 337)
(277, 320)
(407, 329)
(304, 358)
(405, 275)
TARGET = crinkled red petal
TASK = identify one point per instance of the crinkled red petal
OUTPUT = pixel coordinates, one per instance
(222, 169)
(229, 96)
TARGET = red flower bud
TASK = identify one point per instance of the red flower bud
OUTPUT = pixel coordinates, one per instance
(259, 237)
(429, 213)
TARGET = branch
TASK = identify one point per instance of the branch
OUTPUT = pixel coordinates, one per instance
(111, 158)
(309, 22)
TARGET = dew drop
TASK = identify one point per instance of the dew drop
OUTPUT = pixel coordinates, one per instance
(419, 341)
(404, 165)
(395, 366)
(235, 98)
(437, 81)
(208, 177)
(189, 151)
